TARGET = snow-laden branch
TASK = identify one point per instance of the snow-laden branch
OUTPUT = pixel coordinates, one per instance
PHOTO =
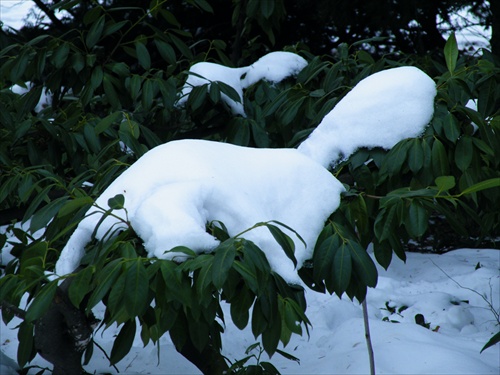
(176, 188)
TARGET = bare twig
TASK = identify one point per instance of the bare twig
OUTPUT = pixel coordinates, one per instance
(489, 303)
(368, 338)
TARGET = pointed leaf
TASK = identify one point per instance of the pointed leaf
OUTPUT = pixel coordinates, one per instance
(223, 261)
(451, 52)
(284, 241)
(341, 270)
(123, 342)
(42, 301)
(363, 265)
(137, 287)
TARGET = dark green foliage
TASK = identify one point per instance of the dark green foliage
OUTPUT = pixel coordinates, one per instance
(115, 93)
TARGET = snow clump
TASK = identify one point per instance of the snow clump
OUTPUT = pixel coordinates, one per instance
(273, 67)
(175, 189)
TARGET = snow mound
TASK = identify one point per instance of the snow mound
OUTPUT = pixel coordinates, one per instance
(273, 67)
(379, 111)
(174, 190)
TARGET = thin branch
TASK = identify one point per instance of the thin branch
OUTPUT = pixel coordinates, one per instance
(44, 8)
(105, 354)
(368, 338)
(489, 303)
(10, 308)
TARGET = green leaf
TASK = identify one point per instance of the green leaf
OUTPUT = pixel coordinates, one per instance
(267, 8)
(486, 184)
(417, 219)
(73, 205)
(383, 253)
(60, 55)
(492, 341)
(439, 159)
(25, 337)
(271, 337)
(143, 55)
(445, 183)
(166, 51)
(323, 258)
(363, 265)
(113, 27)
(115, 302)
(229, 91)
(105, 279)
(197, 96)
(41, 218)
(240, 308)
(223, 261)
(80, 285)
(463, 153)
(130, 127)
(147, 94)
(203, 4)
(451, 128)
(110, 92)
(384, 223)
(284, 241)
(19, 67)
(42, 301)
(117, 202)
(137, 287)
(341, 269)
(106, 122)
(214, 92)
(451, 52)
(123, 342)
(415, 156)
(178, 288)
(395, 158)
(95, 32)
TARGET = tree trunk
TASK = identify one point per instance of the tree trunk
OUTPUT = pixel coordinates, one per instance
(63, 334)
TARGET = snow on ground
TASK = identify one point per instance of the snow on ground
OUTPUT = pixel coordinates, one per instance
(460, 322)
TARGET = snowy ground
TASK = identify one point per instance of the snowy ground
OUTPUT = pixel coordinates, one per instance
(460, 320)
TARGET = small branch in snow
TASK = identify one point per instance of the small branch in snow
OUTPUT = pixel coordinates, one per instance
(368, 338)
(495, 313)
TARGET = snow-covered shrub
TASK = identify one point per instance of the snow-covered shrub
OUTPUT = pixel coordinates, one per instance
(55, 164)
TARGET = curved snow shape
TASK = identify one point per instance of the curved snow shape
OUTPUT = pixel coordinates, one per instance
(379, 111)
(176, 188)
(206, 72)
(273, 67)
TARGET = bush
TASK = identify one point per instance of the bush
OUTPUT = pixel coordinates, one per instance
(112, 105)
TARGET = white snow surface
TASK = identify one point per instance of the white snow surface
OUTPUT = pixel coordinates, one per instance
(379, 111)
(175, 189)
(460, 321)
(273, 67)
